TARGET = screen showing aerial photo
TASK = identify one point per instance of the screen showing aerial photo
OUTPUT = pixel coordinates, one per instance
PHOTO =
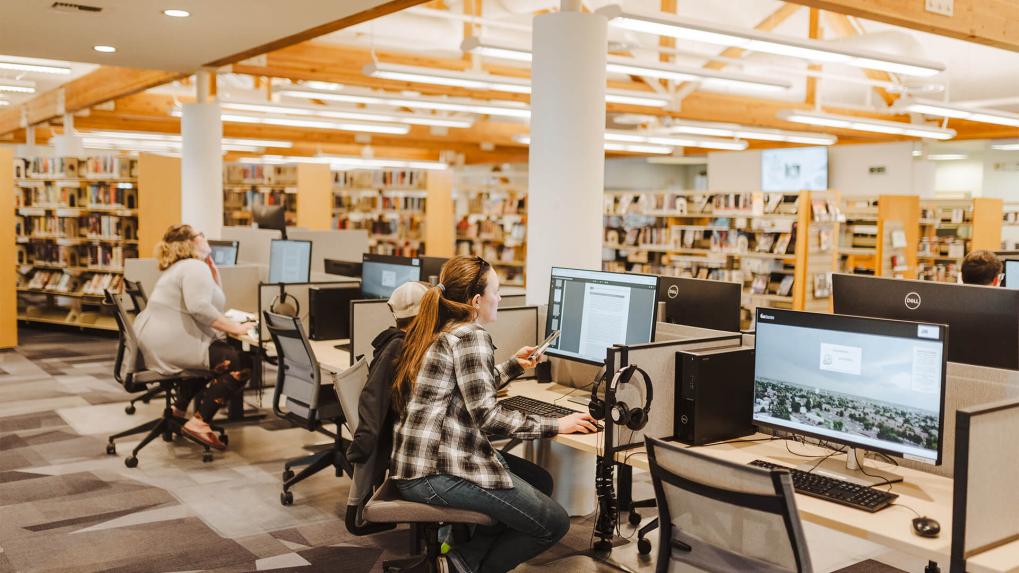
(872, 390)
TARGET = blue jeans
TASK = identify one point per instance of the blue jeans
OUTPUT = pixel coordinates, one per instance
(529, 522)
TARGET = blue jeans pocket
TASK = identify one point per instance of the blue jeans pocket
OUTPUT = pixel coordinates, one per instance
(420, 490)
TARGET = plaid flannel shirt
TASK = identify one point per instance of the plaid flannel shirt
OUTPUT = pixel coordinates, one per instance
(452, 410)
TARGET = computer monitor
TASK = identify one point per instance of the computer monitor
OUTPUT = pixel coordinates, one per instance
(343, 268)
(701, 302)
(794, 169)
(289, 261)
(984, 320)
(431, 267)
(381, 274)
(595, 310)
(224, 253)
(867, 383)
(1011, 273)
(270, 217)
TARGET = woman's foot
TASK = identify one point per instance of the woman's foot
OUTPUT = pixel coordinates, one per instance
(199, 430)
(179, 413)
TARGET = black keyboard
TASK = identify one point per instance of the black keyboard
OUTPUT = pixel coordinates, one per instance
(536, 407)
(836, 490)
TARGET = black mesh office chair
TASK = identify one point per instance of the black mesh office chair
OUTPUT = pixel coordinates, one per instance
(130, 371)
(136, 293)
(309, 403)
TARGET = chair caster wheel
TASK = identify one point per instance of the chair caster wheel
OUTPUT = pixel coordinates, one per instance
(206, 457)
(111, 449)
(286, 498)
(287, 474)
(131, 462)
(167, 436)
(145, 400)
(634, 518)
(643, 547)
(129, 409)
(224, 438)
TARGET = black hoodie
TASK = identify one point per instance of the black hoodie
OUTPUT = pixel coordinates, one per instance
(375, 428)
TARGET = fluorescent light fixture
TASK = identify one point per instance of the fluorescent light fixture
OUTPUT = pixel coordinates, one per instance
(355, 114)
(153, 145)
(174, 138)
(340, 163)
(468, 106)
(958, 112)
(104, 49)
(317, 85)
(947, 156)
(758, 41)
(38, 68)
(865, 124)
(448, 78)
(716, 129)
(999, 145)
(615, 146)
(631, 97)
(283, 121)
(686, 73)
(475, 45)
(173, 13)
(652, 138)
(17, 86)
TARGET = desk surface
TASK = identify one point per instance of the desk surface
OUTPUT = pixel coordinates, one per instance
(928, 494)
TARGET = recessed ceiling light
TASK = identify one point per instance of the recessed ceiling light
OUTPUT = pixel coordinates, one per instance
(176, 13)
(104, 49)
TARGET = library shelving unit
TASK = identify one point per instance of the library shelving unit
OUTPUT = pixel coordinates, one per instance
(858, 240)
(76, 220)
(491, 214)
(781, 246)
(8, 262)
(389, 203)
(952, 228)
(246, 185)
(1010, 226)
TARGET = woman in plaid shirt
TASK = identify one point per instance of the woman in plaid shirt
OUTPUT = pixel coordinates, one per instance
(445, 389)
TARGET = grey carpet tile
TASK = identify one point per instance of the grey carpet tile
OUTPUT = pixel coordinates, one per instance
(79, 522)
(30, 421)
(49, 487)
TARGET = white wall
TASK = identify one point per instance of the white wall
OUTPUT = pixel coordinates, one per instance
(1001, 175)
(637, 173)
(734, 171)
(960, 176)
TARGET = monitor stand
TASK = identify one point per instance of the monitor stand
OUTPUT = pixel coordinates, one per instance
(852, 470)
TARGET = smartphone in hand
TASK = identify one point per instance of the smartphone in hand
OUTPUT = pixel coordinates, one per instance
(544, 345)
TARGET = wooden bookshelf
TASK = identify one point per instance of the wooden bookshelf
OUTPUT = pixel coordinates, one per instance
(246, 185)
(1010, 226)
(389, 203)
(898, 235)
(8, 260)
(859, 236)
(952, 228)
(491, 218)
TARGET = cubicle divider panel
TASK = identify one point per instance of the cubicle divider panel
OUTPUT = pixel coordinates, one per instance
(339, 244)
(144, 271)
(267, 293)
(985, 498)
(515, 328)
(254, 244)
(513, 300)
(368, 318)
(668, 332)
(239, 285)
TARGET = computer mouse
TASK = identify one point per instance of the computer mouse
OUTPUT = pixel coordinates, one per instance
(926, 527)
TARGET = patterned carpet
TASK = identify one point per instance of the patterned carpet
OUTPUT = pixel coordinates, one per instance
(67, 506)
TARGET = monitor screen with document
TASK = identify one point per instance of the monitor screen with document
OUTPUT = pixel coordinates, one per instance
(381, 274)
(289, 261)
(595, 310)
(224, 253)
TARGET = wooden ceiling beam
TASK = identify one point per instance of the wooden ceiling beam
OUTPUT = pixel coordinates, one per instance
(845, 29)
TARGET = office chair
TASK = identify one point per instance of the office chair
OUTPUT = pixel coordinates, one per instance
(130, 371)
(309, 403)
(135, 291)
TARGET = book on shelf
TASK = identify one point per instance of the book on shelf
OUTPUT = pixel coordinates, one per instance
(822, 285)
(785, 287)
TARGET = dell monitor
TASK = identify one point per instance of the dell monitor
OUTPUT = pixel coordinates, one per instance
(224, 253)
(867, 383)
(701, 302)
(270, 217)
(289, 261)
(381, 274)
(594, 310)
(431, 267)
(984, 320)
(342, 268)
(1011, 273)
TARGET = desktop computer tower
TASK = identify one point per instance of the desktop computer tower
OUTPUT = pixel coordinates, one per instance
(714, 394)
(329, 311)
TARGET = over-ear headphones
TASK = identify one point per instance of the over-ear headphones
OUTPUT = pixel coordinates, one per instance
(279, 305)
(621, 413)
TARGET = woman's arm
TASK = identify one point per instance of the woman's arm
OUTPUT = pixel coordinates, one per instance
(197, 288)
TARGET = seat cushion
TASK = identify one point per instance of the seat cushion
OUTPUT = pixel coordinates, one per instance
(387, 506)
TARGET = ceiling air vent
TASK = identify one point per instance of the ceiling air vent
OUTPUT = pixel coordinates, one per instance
(76, 8)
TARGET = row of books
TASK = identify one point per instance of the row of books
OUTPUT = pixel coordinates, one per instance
(495, 205)
(407, 227)
(379, 202)
(404, 178)
(488, 230)
(244, 173)
(940, 272)
(491, 253)
(938, 215)
(92, 226)
(104, 193)
(405, 249)
(48, 193)
(93, 167)
(942, 247)
(62, 282)
(108, 256)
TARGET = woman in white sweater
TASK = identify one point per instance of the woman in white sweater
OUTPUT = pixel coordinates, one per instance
(183, 327)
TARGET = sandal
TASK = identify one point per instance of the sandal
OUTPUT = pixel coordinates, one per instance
(207, 437)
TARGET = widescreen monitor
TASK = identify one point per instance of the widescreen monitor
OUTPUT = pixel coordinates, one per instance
(289, 261)
(381, 274)
(343, 268)
(224, 253)
(866, 383)
(794, 169)
(595, 310)
(701, 302)
(984, 321)
(270, 217)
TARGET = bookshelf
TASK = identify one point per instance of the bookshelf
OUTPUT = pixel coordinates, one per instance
(246, 185)
(781, 246)
(491, 218)
(1010, 226)
(8, 261)
(859, 236)
(898, 235)
(952, 228)
(389, 203)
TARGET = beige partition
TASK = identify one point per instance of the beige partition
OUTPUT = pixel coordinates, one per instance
(367, 319)
(339, 244)
(314, 196)
(898, 212)
(440, 229)
(159, 199)
(987, 218)
(8, 272)
(515, 328)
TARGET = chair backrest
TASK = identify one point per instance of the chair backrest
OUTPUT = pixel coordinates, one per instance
(136, 292)
(129, 356)
(717, 515)
(298, 375)
(348, 384)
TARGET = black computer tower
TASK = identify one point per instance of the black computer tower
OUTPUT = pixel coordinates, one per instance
(329, 311)
(714, 394)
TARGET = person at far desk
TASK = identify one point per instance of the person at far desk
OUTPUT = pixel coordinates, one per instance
(183, 327)
(982, 268)
(445, 388)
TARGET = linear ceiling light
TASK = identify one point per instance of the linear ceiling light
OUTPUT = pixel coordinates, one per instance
(17, 86)
(355, 114)
(958, 112)
(284, 121)
(475, 45)
(343, 162)
(744, 132)
(947, 156)
(865, 124)
(502, 109)
(658, 139)
(615, 146)
(757, 41)
(172, 137)
(686, 73)
(999, 145)
(37, 68)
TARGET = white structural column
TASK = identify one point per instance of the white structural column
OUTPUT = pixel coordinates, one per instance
(201, 130)
(567, 157)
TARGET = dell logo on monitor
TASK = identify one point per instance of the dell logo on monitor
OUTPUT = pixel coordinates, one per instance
(673, 291)
(913, 301)
(767, 317)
